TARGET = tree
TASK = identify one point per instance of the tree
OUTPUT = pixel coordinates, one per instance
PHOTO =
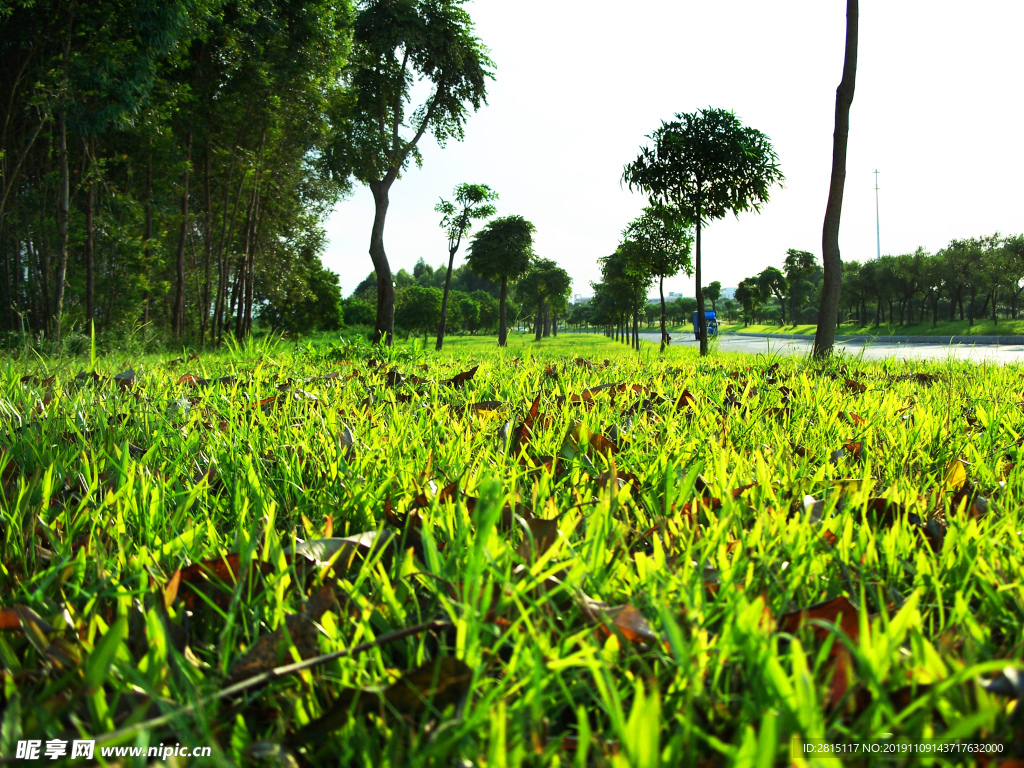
(396, 44)
(750, 296)
(772, 282)
(661, 243)
(418, 309)
(625, 288)
(545, 286)
(706, 164)
(713, 292)
(488, 314)
(801, 270)
(472, 201)
(358, 312)
(469, 311)
(502, 251)
(828, 312)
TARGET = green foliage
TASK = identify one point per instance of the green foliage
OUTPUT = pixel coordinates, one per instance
(704, 165)
(660, 241)
(472, 201)
(713, 292)
(503, 249)
(195, 134)
(418, 309)
(358, 312)
(396, 44)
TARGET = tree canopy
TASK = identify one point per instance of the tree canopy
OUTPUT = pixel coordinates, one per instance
(705, 164)
(377, 127)
(502, 251)
(472, 201)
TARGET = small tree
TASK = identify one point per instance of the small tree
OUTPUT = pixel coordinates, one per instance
(661, 243)
(545, 286)
(713, 292)
(502, 251)
(395, 45)
(706, 164)
(772, 282)
(750, 297)
(472, 201)
(801, 269)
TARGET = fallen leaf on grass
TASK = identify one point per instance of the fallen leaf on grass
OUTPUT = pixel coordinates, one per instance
(269, 651)
(956, 475)
(542, 534)
(483, 405)
(524, 431)
(853, 418)
(22, 617)
(432, 686)
(686, 400)
(125, 379)
(215, 579)
(460, 379)
(623, 619)
(344, 551)
(602, 444)
(838, 609)
(855, 386)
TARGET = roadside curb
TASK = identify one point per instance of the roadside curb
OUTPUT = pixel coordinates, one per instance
(947, 340)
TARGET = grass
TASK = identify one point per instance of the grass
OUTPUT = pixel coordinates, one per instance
(618, 578)
(957, 328)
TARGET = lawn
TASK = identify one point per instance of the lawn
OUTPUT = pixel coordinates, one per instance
(560, 554)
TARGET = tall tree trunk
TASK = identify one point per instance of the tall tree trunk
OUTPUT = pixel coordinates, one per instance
(538, 322)
(90, 236)
(178, 312)
(148, 247)
(204, 318)
(443, 325)
(223, 258)
(250, 274)
(664, 333)
(502, 327)
(64, 200)
(702, 321)
(547, 320)
(636, 323)
(384, 327)
(831, 289)
(554, 324)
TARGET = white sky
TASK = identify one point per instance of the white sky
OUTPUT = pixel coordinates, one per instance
(937, 109)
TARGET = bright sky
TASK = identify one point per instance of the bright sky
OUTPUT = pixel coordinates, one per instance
(937, 110)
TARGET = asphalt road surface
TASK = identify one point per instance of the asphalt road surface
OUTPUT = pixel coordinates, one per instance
(872, 350)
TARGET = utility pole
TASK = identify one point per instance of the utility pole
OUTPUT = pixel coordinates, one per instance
(878, 226)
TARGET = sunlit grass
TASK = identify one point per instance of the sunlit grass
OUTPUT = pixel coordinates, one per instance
(110, 491)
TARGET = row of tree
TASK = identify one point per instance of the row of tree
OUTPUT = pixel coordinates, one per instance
(502, 278)
(970, 279)
(163, 163)
(171, 163)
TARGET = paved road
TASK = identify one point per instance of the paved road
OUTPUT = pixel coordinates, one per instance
(873, 350)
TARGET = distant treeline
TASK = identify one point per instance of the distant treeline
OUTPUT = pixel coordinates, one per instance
(968, 280)
(162, 163)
